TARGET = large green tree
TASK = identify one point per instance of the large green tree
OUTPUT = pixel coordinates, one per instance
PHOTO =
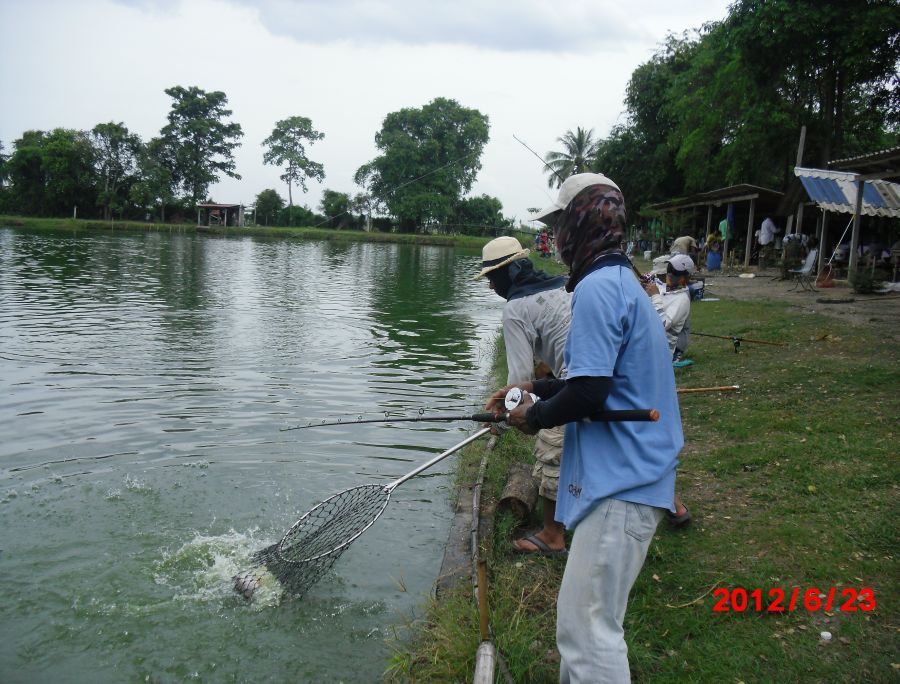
(579, 150)
(52, 173)
(116, 151)
(286, 149)
(479, 215)
(429, 159)
(773, 66)
(268, 204)
(202, 140)
(833, 63)
(336, 206)
(156, 182)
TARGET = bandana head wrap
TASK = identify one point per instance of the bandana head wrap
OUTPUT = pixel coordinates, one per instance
(593, 224)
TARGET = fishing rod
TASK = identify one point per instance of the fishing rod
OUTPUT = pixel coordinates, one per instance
(487, 417)
(647, 415)
(737, 340)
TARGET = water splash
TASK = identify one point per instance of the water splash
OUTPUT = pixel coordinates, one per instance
(202, 569)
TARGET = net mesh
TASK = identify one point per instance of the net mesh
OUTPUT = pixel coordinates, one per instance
(317, 540)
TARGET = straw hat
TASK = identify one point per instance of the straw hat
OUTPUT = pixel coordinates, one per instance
(499, 252)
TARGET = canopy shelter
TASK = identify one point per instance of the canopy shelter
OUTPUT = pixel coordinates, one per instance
(874, 167)
(733, 198)
(213, 214)
(855, 194)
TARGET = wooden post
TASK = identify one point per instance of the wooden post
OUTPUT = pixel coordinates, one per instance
(708, 220)
(822, 242)
(800, 218)
(800, 146)
(854, 236)
(749, 233)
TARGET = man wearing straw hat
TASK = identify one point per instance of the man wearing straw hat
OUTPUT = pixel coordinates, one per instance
(535, 326)
(617, 478)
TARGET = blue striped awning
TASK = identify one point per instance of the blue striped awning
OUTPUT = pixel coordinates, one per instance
(836, 191)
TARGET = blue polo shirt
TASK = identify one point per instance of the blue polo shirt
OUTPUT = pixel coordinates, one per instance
(617, 333)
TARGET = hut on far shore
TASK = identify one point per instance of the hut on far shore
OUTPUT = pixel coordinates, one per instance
(214, 214)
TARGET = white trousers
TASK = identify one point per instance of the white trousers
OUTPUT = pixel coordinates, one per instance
(607, 552)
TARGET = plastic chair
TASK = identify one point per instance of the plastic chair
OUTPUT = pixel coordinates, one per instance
(803, 276)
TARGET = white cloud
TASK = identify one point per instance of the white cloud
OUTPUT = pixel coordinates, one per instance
(527, 25)
(345, 65)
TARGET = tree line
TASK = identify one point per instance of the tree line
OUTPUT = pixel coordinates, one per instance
(429, 160)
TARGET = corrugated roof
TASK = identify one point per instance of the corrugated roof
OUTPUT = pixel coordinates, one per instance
(721, 196)
(836, 191)
(884, 163)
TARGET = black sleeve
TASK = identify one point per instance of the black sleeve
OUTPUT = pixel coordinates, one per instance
(547, 387)
(576, 399)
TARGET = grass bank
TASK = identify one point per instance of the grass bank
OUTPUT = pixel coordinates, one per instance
(302, 233)
(792, 482)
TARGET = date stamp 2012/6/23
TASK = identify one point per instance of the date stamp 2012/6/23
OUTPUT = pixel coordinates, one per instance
(777, 600)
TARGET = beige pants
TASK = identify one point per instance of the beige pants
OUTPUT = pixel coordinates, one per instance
(547, 456)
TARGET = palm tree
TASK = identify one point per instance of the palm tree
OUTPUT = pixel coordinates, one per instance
(580, 148)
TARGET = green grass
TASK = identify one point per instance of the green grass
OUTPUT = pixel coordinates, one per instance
(793, 481)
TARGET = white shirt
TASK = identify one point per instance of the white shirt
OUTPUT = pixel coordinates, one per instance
(767, 231)
(673, 307)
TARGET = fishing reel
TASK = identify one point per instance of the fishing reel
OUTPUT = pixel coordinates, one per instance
(512, 399)
(515, 397)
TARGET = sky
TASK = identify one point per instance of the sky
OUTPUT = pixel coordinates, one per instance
(536, 68)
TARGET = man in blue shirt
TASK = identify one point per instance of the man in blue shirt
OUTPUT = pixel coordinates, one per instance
(617, 479)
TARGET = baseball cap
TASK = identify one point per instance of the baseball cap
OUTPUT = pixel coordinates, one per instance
(682, 262)
(567, 192)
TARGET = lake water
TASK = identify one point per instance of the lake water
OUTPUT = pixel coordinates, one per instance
(144, 379)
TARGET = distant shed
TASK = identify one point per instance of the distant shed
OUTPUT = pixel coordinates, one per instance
(214, 214)
(854, 186)
(758, 199)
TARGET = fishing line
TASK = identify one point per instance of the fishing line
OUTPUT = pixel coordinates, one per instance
(555, 172)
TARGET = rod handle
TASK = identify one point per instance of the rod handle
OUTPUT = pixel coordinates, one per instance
(646, 415)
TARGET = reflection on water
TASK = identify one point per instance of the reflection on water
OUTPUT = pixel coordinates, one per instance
(144, 381)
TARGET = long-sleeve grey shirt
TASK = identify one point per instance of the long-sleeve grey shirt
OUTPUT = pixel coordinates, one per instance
(536, 327)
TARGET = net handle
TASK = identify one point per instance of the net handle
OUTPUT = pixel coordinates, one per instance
(440, 457)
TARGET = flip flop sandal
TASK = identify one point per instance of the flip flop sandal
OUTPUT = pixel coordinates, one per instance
(679, 520)
(542, 548)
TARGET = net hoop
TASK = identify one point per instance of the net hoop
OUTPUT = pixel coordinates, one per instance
(340, 548)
